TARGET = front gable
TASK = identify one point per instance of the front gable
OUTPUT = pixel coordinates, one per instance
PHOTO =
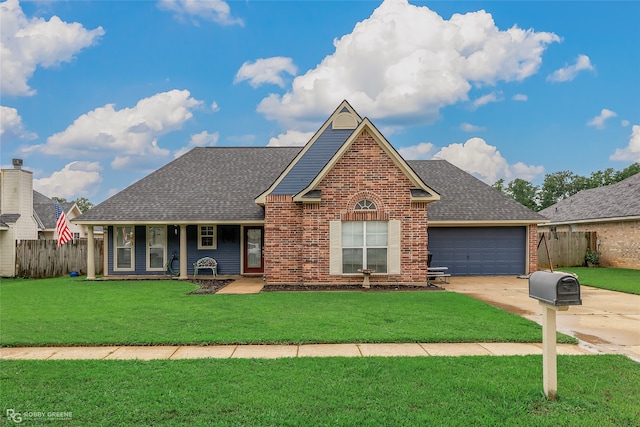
(367, 150)
(316, 153)
(327, 147)
(361, 187)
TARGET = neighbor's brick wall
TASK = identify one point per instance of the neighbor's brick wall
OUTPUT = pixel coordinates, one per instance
(365, 171)
(619, 242)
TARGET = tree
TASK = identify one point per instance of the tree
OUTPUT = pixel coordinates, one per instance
(560, 185)
(601, 178)
(557, 186)
(524, 193)
(83, 204)
(499, 185)
(625, 173)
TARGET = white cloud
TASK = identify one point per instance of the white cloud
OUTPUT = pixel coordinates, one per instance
(267, 70)
(76, 179)
(201, 139)
(569, 72)
(215, 107)
(520, 97)
(29, 43)
(11, 126)
(631, 152)
(217, 11)
(468, 127)
(407, 61)
(486, 99)
(485, 161)
(625, 123)
(522, 171)
(599, 121)
(291, 138)
(129, 133)
(420, 151)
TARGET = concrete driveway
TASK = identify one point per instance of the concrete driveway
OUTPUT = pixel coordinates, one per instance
(607, 321)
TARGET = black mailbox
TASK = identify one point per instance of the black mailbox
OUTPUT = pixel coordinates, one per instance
(556, 288)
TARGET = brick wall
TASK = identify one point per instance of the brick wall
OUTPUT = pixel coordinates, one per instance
(619, 242)
(297, 236)
(282, 239)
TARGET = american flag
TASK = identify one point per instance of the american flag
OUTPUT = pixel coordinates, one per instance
(62, 226)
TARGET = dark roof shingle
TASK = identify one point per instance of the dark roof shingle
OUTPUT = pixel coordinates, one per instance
(221, 184)
(612, 201)
(205, 184)
(463, 197)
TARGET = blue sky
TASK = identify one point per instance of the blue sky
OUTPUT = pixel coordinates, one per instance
(96, 94)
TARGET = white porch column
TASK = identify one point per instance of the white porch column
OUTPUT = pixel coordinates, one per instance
(183, 252)
(91, 254)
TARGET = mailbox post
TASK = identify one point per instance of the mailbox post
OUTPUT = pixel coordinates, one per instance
(555, 292)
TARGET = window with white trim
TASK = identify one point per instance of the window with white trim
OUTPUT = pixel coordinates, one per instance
(124, 253)
(207, 237)
(364, 246)
(156, 247)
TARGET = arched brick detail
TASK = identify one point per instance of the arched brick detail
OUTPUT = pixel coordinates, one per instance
(350, 214)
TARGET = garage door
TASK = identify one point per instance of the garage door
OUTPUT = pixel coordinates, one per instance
(479, 251)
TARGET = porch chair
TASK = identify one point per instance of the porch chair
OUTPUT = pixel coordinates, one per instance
(204, 263)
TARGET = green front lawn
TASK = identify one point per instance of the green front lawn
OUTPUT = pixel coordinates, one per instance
(613, 279)
(69, 311)
(421, 391)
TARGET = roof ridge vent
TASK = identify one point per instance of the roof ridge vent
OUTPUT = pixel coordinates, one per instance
(344, 120)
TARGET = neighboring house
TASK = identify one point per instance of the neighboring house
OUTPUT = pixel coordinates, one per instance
(44, 208)
(26, 214)
(346, 201)
(613, 212)
(18, 220)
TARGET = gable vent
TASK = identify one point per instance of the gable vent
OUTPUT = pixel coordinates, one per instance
(344, 121)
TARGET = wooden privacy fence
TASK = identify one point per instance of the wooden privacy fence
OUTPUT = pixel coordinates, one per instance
(567, 249)
(43, 258)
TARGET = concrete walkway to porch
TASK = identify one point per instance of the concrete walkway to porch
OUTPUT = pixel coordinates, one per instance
(243, 285)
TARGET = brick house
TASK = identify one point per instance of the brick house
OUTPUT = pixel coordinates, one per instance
(612, 211)
(346, 201)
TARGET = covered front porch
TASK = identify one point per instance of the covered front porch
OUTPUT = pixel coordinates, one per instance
(150, 250)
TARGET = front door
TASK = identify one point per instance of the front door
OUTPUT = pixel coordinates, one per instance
(253, 260)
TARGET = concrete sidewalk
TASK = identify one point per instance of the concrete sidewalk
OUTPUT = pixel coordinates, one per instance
(278, 351)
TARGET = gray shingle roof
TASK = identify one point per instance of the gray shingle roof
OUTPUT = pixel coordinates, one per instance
(45, 210)
(612, 201)
(6, 219)
(221, 183)
(463, 197)
(205, 184)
